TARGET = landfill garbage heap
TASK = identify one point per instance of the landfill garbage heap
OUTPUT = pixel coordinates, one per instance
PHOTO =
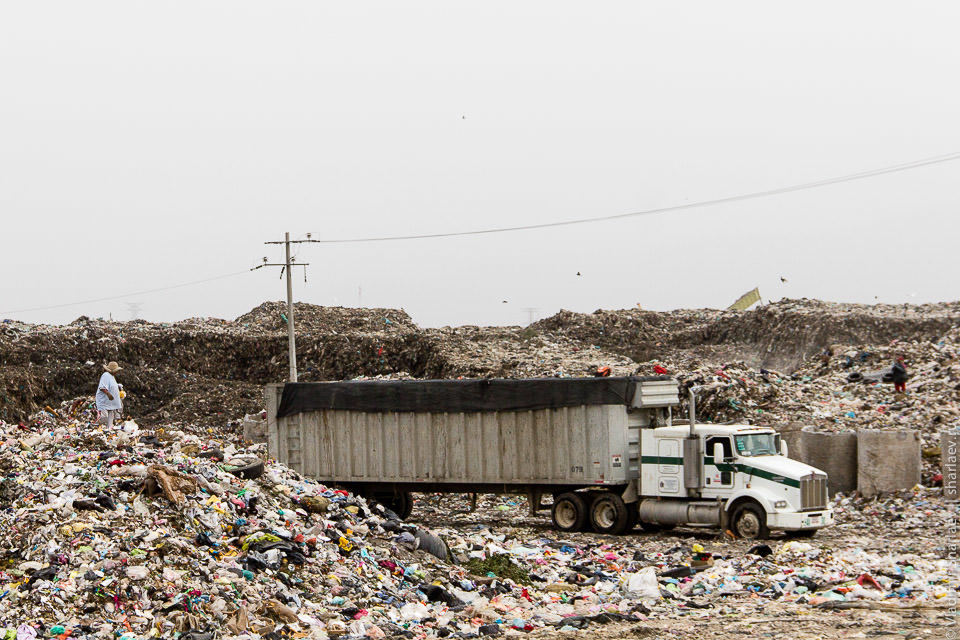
(780, 335)
(214, 369)
(170, 533)
(840, 389)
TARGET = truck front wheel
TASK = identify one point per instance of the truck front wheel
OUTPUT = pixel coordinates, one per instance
(749, 521)
(609, 514)
(569, 512)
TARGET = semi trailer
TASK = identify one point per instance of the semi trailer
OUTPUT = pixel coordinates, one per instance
(606, 449)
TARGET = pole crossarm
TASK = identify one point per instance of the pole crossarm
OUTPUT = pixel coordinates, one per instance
(279, 264)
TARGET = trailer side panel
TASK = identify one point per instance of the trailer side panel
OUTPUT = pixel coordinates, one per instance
(566, 446)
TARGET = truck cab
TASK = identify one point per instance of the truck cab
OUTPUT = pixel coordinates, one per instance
(735, 476)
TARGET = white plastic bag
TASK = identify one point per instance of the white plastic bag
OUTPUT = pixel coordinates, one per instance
(137, 572)
(642, 585)
(414, 611)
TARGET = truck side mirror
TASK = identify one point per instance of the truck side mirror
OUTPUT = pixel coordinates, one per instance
(783, 449)
(717, 453)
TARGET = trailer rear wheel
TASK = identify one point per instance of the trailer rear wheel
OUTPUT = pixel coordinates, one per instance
(400, 503)
(569, 512)
(609, 514)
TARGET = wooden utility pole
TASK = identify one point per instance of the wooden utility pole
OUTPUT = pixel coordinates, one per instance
(288, 265)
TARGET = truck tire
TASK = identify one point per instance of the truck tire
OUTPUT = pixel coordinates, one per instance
(609, 514)
(400, 503)
(404, 504)
(569, 512)
(749, 521)
(245, 468)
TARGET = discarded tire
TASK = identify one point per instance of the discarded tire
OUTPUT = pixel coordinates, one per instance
(247, 469)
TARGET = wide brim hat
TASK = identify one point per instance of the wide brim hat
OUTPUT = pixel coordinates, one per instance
(112, 367)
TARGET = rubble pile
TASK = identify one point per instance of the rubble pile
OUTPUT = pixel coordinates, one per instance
(177, 532)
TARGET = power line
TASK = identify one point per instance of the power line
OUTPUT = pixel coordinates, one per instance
(692, 205)
(680, 207)
(127, 295)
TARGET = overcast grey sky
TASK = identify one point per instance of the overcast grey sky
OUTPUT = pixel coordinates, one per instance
(149, 144)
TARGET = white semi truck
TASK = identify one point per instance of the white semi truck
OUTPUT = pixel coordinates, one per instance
(605, 448)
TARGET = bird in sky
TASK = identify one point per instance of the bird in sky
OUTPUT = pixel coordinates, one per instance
(782, 279)
(578, 273)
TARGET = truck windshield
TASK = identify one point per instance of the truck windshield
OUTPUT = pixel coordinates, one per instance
(758, 444)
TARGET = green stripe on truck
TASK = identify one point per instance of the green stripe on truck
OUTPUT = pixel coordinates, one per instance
(742, 468)
(660, 460)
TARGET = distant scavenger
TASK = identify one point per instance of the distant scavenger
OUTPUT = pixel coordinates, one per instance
(899, 376)
(109, 404)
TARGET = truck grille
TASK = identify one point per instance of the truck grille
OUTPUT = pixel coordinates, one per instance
(813, 492)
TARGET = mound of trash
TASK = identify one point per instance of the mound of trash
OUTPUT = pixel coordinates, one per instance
(177, 532)
(210, 369)
(136, 533)
(490, 352)
(842, 388)
(271, 316)
(200, 368)
(777, 335)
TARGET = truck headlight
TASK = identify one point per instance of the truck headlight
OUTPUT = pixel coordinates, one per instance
(780, 504)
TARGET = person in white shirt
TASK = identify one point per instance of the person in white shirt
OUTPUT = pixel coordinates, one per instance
(109, 404)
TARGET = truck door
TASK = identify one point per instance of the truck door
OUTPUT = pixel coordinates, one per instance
(716, 474)
(668, 467)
